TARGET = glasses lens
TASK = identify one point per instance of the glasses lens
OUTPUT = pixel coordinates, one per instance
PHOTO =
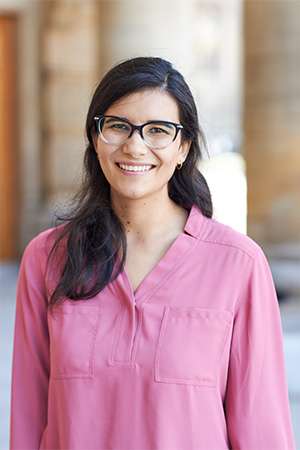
(114, 131)
(159, 135)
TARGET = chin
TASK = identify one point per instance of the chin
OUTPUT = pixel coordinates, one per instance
(130, 195)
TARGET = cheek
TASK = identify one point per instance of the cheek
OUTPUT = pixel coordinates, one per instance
(170, 166)
(167, 159)
(104, 165)
(103, 155)
(167, 169)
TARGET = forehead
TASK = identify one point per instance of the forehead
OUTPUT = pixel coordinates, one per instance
(141, 106)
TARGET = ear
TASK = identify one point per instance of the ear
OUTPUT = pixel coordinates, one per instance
(184, 149)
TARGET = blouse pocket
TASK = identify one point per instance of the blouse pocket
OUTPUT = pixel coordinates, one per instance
(73, 329)
(190, 344)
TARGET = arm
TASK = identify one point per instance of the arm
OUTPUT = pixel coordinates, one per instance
(30, 363)
(256, 402)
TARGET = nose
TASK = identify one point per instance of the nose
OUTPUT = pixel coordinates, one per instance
(135, 145)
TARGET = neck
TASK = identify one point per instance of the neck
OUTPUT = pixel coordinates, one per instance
(150, 218)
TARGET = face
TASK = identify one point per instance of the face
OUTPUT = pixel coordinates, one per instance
(138, 108)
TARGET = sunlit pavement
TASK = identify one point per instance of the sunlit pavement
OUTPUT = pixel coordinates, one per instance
(290, 313)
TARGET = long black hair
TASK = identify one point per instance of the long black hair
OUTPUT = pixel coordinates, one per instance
(91, 232)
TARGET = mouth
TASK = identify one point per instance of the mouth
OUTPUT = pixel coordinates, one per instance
(135, 170)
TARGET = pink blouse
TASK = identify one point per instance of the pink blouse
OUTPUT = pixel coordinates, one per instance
(192, 360)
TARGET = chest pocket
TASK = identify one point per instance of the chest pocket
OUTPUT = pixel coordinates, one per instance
(73, 329)
(190, 344)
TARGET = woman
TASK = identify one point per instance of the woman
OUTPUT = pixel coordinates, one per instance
(142, 323)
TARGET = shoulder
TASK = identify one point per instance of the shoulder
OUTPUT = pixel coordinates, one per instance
(226, 237)
(41, 243)
(248, 261)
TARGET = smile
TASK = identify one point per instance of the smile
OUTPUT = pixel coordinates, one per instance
(135, 170)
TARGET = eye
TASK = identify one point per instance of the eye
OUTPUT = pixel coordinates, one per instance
(118, 126)
(158, 130)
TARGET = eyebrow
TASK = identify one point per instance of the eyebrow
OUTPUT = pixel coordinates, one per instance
(127, 120)
(118, 117)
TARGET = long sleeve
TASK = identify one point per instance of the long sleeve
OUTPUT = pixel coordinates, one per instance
(256, 404)
(30, 363)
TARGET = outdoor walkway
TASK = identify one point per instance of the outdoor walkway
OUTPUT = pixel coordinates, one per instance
(290, 311)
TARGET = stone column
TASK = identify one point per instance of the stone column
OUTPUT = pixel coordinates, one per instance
(272, 119)
(70, 61)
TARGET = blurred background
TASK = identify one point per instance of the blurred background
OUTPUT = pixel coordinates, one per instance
(242, 62)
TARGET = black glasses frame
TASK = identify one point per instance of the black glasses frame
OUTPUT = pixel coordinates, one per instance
(139, 128)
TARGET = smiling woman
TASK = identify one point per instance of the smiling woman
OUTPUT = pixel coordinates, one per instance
(142, 323)
(136, 101)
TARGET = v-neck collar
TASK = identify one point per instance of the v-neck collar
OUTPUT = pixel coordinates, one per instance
(194, 222)
(173, 257)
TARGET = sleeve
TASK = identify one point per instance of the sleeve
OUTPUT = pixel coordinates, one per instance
(256, 402)
(30, 360)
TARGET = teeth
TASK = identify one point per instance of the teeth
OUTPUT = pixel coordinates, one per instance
(135, 168)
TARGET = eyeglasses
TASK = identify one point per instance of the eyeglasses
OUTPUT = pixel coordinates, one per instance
(155, 133)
